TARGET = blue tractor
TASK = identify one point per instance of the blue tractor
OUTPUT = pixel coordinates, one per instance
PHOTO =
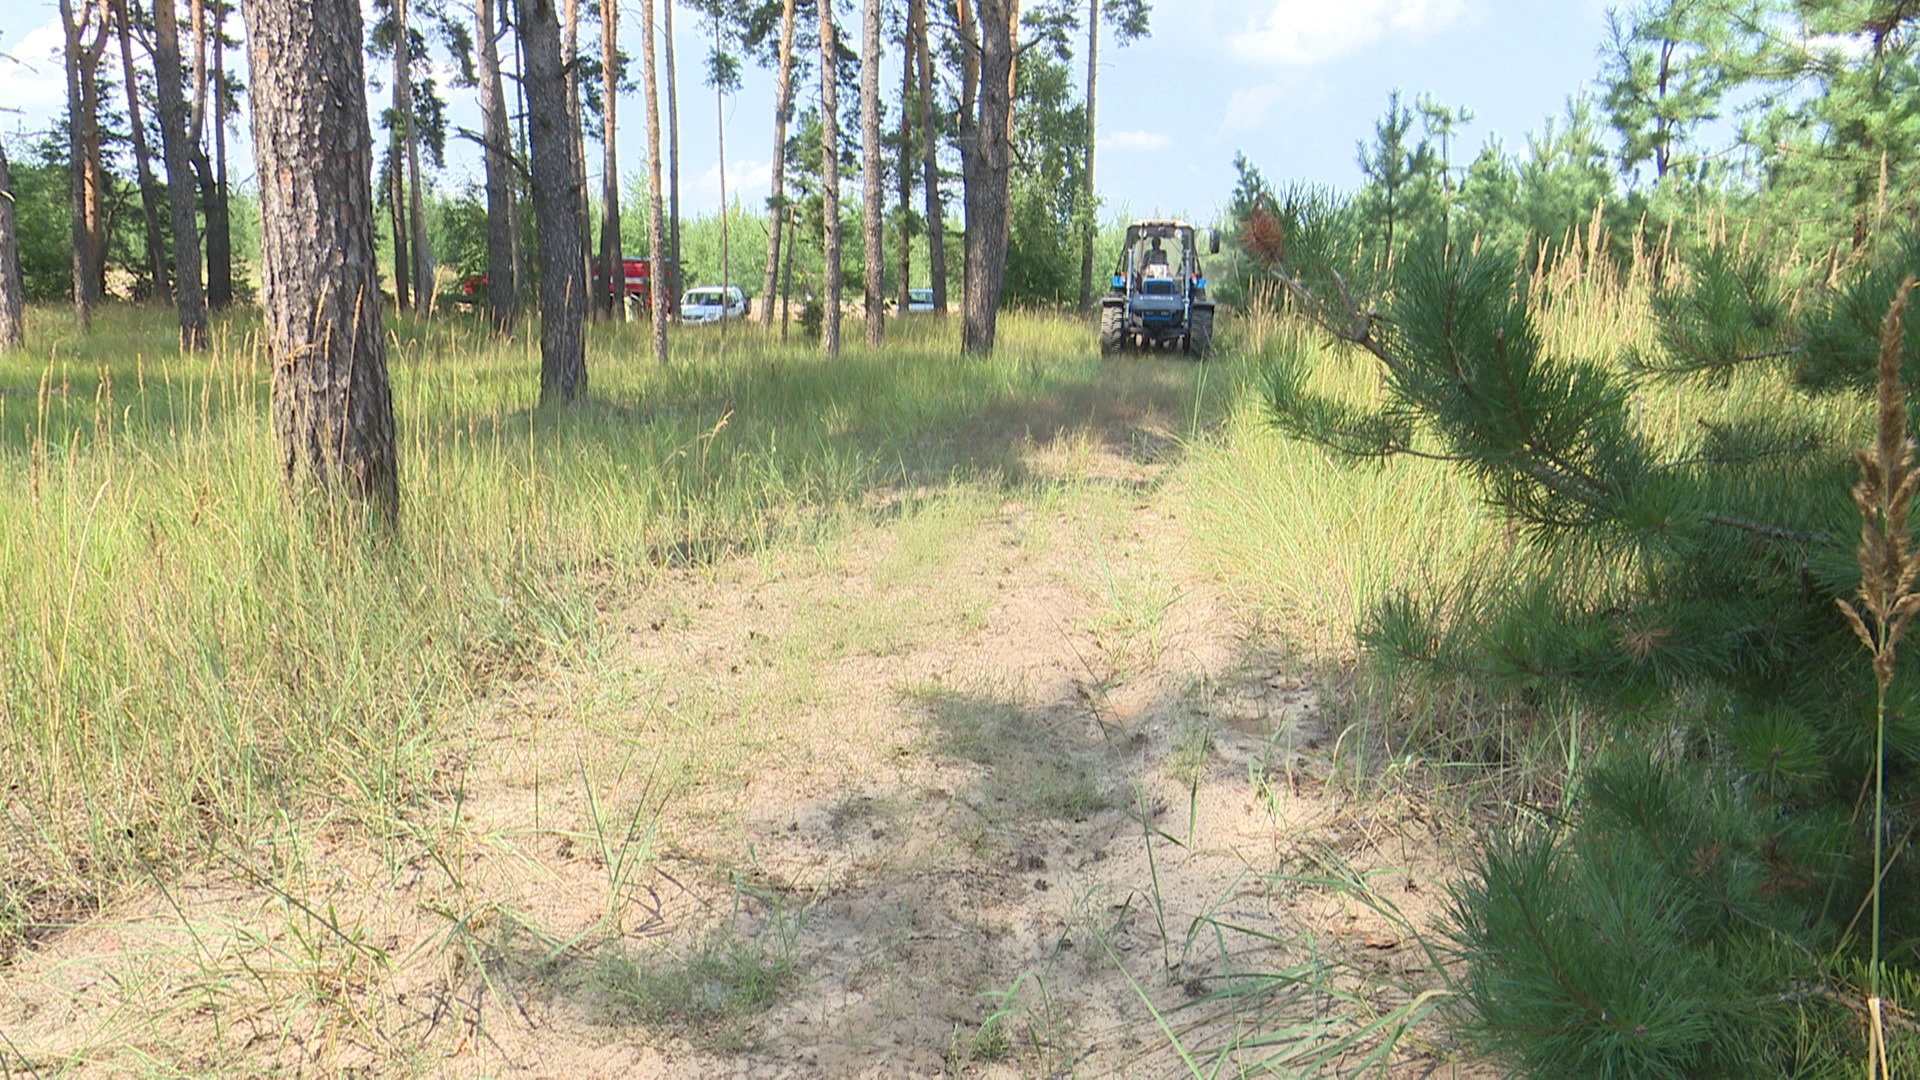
(1158, 298)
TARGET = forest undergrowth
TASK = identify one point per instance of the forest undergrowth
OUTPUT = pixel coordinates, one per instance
(190, 664)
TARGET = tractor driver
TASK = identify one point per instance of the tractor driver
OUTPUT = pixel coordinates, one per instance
(1156, 260)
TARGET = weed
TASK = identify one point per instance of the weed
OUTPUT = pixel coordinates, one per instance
(726, 976)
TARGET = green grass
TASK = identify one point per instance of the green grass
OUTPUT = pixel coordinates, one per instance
(184, 655)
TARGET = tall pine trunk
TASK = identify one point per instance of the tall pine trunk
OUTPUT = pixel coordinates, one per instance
(830, 180)
(1086, 191)
(873, 179)
(904, 169)
(13, 330)
(613, 270)
(188, 299)
(777, 201)
(673, 168)
(143, 161)
(83, 157)
(503, 236)
(930, 160)
(720, 134)
(657, 280)
(786, 274)
(332, 411)
(556, 207)
(416, 198)
(577, 144)
(986, 152)
(219, 242)
(217, 206)
(397, 182)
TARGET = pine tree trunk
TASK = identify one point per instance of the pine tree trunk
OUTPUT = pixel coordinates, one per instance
(786, 275)
(219, 235)
(904, 175)
(143, 162)
(393, 181)
(13, 330)
(503, 242)
(830, 182)
(613, 270)
(397, 185)
(658, 283)
(583, 214)
(1086, 191)
(777, 203)
(95, 173)
(967, 124)
(673, 172)
(416, 197)
(83, 155)
(873, 179)
(188, 298)
(218, 212)
(720, 135)
(556, 207)
(930, 159)
(332, 411)
(988, 157)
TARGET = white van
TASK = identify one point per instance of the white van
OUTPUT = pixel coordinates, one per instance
(711, 303)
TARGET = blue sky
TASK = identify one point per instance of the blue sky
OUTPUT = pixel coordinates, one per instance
(1293, 83)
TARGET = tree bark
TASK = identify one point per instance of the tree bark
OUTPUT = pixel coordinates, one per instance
(332, 410)
(720, 135)
(143, 161)
(83, 156)
(577, 144)
(12, 290)
(786, 275)
(189, 300)
(673, 169)
(987, 154)
(612, 269)
(777, 202)
(905, 170)
(219, 242)
(830, 180)
(416, 197)
(1086, 192)
(930, 160)
(658, 283)
(217, 208)
(966, 124)
(397, 180)
(556, 207)
(503, 237)
(873, 179)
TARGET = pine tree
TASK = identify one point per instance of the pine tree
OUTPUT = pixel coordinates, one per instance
(1714, 866)
(12, 290)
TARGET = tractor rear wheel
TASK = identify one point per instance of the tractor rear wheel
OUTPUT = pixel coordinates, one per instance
(1200, 333)
(1113, 329)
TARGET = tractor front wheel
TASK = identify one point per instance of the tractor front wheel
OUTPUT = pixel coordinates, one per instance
(1113, 329)
(1200, 334)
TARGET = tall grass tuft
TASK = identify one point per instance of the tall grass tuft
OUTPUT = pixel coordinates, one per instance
(1887, 573)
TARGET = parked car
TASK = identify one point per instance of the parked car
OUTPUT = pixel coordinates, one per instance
(711, 303)
(919, 301)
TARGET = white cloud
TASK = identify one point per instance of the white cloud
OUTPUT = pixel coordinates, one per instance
(1249, 106)
(35, 80)
(1299, 33)
(748, 182)
(1134, 140)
